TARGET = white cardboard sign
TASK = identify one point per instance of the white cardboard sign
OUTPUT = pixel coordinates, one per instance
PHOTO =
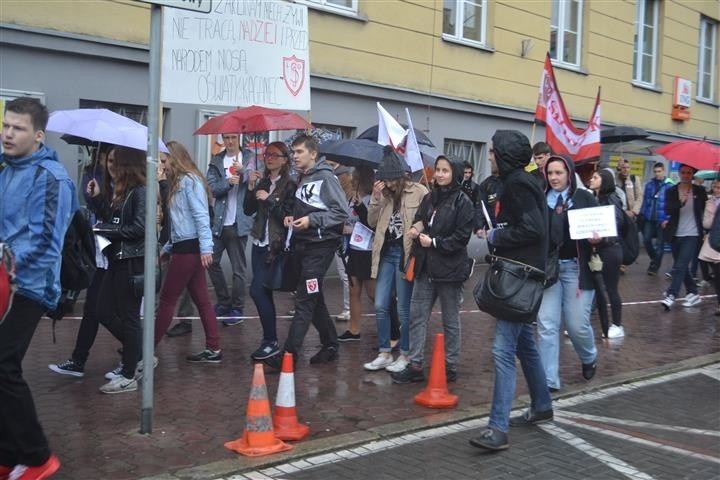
(585, 222)
(240, 54)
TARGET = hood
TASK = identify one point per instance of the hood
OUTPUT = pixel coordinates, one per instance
(42, 153)
(570, 165)
(321, 164)
(512, 151)
(458, 167)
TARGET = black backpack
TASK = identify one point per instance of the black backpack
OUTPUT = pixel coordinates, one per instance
(629, 240)
(77, 267)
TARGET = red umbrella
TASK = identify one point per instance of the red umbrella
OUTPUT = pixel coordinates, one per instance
(698, 154)
(253, 119)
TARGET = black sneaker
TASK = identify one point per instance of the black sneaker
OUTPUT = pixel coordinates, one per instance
(325, 355)
(531, 418)
(68, 367)
(348, 336)
(491, 439)
(588, 370)
(266, 350)
(206, 356)
(181, 328)
(274, 363)
(410, 374)
(451, 375)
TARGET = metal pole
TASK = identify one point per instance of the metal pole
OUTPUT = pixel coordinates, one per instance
(148, 322)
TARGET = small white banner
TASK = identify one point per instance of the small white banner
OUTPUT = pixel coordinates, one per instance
(239, 54)
(586, 222)
(361, 238)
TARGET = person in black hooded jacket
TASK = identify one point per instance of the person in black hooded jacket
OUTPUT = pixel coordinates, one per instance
(520, 234)
(442, 228)
(570, 298)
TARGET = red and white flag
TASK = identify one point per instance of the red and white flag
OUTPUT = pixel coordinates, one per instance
(413, 157)
(390, 132)
(560, 133)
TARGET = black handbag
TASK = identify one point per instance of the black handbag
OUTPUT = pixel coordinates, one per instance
(284, 273)
(137, 283)
(511, 290)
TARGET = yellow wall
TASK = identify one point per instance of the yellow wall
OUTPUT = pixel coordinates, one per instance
(401, 45)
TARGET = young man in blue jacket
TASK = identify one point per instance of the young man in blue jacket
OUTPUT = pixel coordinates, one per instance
(37, 200)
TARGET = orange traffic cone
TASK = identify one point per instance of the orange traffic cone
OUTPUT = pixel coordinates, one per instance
(258, 438)
(436, 394)
(285, 421)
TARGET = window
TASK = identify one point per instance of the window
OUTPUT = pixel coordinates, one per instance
(645, 48)
(707, 61)
(344, 6)
(471, 152)
(465, 20)
(566, 32)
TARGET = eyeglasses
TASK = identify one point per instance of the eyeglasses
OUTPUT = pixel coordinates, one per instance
(274, 155)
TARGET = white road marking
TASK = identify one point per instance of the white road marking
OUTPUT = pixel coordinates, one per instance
(635, 423)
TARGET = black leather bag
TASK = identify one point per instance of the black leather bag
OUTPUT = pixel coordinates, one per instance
(511, 290)
(137, 283)
(284, 273)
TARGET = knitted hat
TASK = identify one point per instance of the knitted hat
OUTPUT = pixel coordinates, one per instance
(392, 165)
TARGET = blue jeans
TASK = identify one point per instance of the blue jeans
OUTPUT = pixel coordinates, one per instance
(262, 296)
(564, 299)
(513, 338)
(424, 295)
(650, 231)
(684, 249)
(390, 279)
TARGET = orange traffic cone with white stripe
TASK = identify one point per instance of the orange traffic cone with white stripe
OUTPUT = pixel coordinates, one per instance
(285, 421)
(258, 438)
(436, 395)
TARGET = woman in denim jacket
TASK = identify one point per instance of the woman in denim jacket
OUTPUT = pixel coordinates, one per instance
(189, 249)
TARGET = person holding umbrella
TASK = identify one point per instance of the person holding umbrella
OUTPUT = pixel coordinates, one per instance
(270, 198)
(228, 175)
(684, 207)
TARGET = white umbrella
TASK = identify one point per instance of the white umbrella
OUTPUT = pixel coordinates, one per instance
(101, 125)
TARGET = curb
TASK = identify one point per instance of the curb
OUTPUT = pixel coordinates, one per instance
(239, 465)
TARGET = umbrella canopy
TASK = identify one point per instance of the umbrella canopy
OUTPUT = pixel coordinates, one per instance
(622, 133)
(253, 119)
(101, 125)
(708, 174)
(353, 153)
(698, 154)
(372, 134)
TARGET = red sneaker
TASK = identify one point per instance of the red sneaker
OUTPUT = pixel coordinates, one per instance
(5, 472)
(40, 472)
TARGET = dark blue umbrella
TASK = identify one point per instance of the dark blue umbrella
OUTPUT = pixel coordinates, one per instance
(354, 152)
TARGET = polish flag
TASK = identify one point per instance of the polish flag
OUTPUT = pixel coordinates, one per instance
(560, 133)
(413, 157)
(390, 132)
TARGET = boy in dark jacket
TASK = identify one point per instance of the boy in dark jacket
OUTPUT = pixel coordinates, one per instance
(319, 213)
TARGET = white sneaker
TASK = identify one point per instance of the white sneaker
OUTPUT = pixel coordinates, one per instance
(616, 331)
(382, 361)
(139, 368)
(398, 365)
(344, 316)
(120, 384)
(115, 372)
(668, 301)
(691, 299)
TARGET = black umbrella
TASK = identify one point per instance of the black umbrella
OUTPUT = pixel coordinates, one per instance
(621, 134)
(353, 153)
(372, 134)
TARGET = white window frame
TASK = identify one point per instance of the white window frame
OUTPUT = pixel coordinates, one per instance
(563, 7)
(706, 23)
(459, 20)
(639, 42)
(329, 6)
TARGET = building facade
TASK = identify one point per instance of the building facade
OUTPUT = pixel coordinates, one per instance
(464, 68)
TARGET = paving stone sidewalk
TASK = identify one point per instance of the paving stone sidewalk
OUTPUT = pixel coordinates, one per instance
(200, 407)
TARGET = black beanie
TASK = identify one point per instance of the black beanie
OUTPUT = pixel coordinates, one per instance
(392, 166)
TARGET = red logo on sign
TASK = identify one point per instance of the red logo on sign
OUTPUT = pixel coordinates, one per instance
(312, 285)
(294, 74)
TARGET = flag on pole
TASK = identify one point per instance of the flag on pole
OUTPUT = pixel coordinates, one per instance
(390, 132)
(560, 133)
(413, 157)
